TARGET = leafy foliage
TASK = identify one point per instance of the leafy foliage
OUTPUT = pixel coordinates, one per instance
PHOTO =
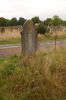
(41, 28)
(55, 20)
(2, 21)
(48, 22)
(21, 21)
(36, 20)
(12, 22)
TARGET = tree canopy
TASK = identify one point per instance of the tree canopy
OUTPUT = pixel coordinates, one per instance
(54, 21)
(11, 22)
(41, 28)
(35, 20)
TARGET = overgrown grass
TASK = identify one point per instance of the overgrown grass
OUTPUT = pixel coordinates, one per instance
(50, 37)
(38, 77)
(40, 38)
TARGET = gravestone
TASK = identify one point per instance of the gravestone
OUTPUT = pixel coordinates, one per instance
(29, 38)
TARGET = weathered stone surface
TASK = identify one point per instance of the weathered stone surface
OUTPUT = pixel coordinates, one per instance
(29, 38)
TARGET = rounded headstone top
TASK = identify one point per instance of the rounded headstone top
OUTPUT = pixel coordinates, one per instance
(28, 27)
(29, 38)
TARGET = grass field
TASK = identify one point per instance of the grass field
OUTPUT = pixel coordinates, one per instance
(12, 35)
(40, 38)
(10, 41)
(41, 76)
(45, 38)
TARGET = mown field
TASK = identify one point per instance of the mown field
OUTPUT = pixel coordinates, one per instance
(41, 76)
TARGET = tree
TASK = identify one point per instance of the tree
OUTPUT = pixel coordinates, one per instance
(64, 23)
(2, 21)
(7, 22)
(35, 20)
(48, 22)
(21, 21)
(56, 21)
(14, 22)
(41, 28)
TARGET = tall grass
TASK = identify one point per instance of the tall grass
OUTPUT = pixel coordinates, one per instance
(9, 36)
(7, 33)
(38, 77)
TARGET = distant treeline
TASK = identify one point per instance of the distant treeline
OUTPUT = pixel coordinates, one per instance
(54, 21)
(11, 22)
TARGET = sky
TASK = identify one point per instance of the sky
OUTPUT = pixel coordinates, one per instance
(30, 8)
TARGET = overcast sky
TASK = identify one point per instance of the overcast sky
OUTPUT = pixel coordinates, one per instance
(30, 8)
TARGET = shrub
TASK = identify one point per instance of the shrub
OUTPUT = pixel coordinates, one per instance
(41, 28)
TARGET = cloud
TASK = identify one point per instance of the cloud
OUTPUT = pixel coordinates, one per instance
(30, 8)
